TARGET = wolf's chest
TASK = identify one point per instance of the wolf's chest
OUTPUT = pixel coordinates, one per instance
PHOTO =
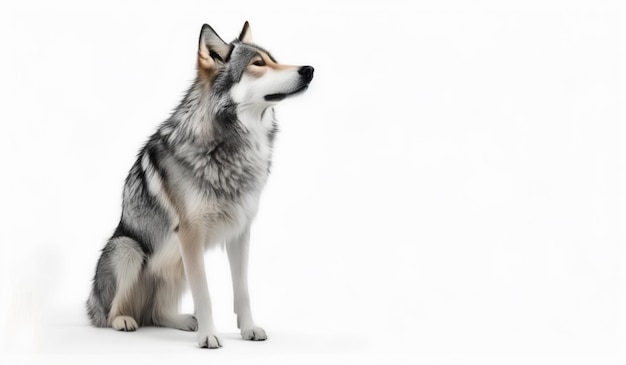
(231, 173)
(224, 185)
(220, 184)
(223, 203)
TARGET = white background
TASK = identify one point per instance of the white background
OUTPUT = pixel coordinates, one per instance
(451, 189)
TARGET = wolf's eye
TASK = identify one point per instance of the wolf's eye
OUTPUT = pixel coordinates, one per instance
(259, 63)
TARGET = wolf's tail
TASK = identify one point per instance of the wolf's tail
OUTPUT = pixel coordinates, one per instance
(97, 313)
(102, 290)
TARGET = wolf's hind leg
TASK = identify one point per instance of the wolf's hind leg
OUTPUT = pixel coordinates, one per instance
(167, 294)
(185, 322)
(124, 323)
(127, 260)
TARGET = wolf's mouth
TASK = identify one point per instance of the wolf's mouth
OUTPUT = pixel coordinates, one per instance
(281, 96)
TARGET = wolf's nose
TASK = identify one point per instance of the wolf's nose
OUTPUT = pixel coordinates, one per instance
(306, 72)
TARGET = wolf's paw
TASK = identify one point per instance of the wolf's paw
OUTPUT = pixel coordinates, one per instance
(254, 334)
(187, 322)
(209, 340)
(124, 323)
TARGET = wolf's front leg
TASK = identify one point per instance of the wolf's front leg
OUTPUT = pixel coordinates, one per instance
(192, 240)
(238, 249)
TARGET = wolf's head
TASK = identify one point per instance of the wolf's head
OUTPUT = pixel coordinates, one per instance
(246, 72)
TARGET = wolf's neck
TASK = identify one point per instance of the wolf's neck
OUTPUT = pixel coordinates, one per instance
(194, 115)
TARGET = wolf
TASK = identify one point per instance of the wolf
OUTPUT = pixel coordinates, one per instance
(196, 184)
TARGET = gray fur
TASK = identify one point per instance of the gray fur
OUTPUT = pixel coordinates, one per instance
(201, 172)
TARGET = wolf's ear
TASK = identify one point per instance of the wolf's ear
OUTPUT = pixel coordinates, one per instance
(210, 48)
(246, 34)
